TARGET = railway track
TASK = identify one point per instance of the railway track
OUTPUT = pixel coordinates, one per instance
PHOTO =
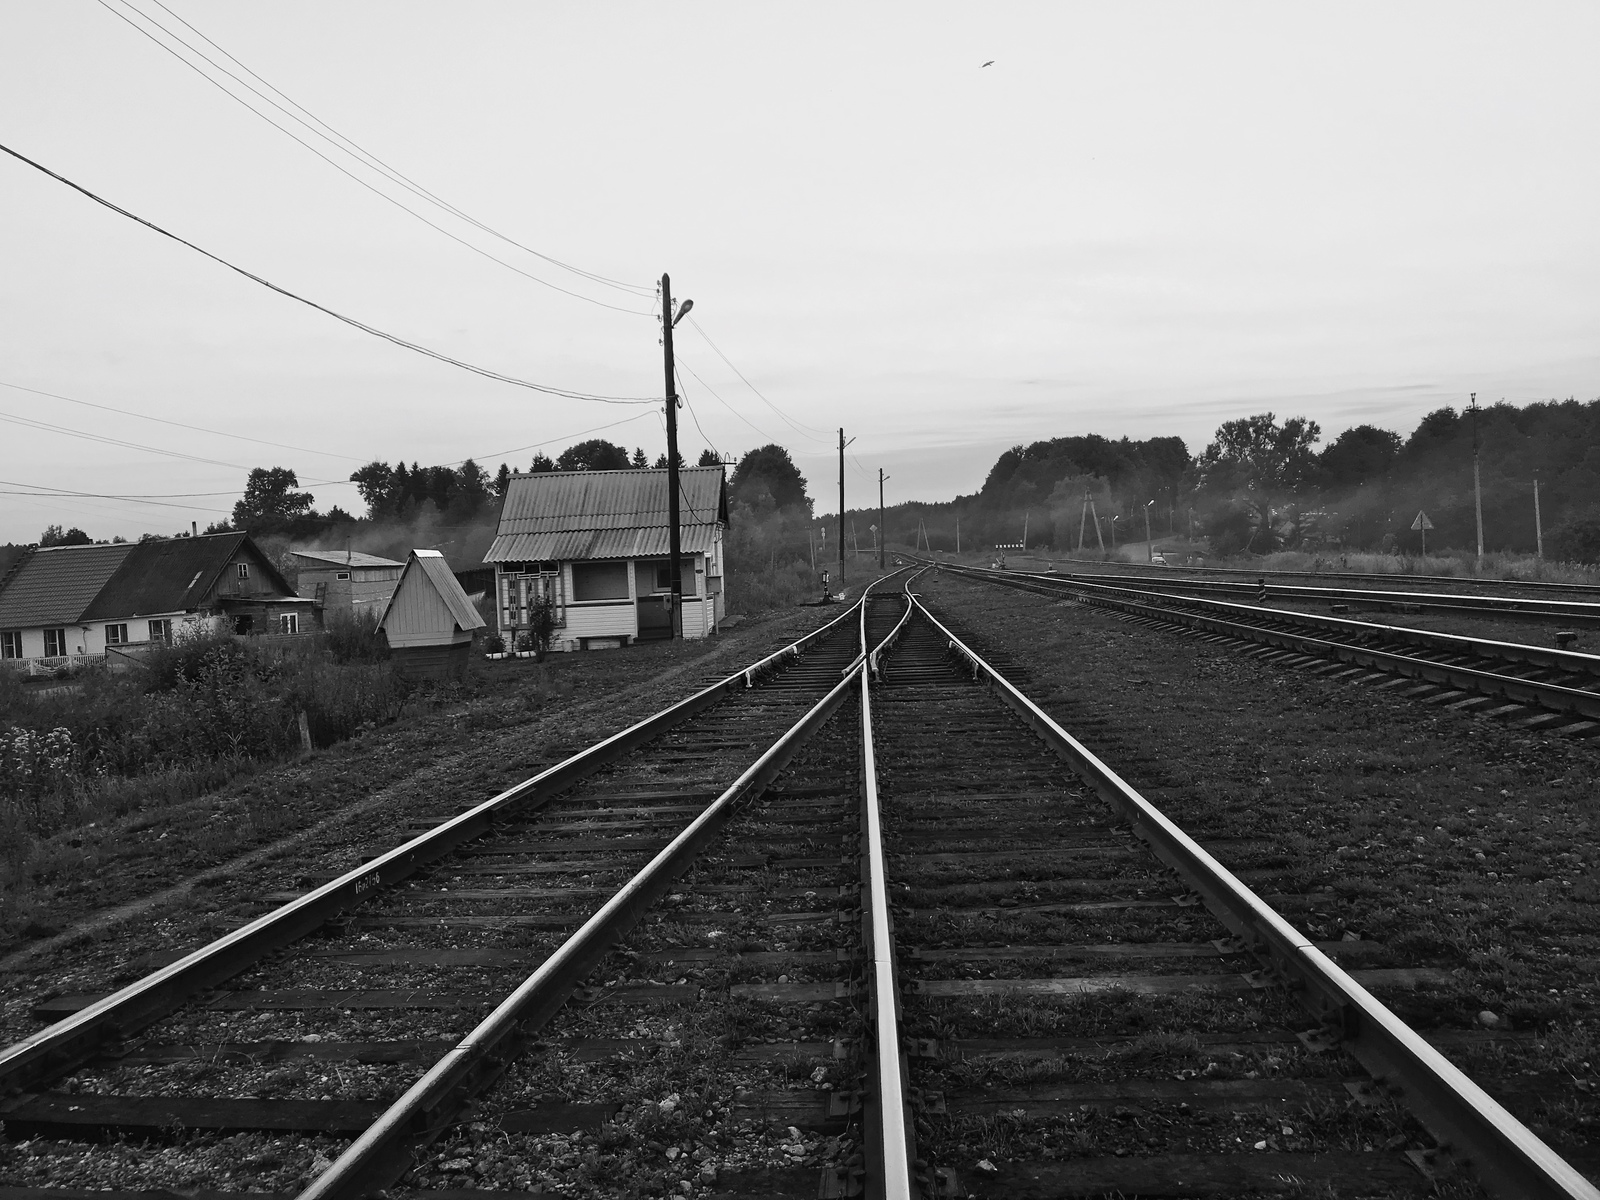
(1093, 1005)
(1532, 606)
(363, 1020)
(918, 947)
(1539, 687)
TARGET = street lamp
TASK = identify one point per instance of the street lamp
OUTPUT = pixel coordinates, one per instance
(1114, 531)
(1149, 546)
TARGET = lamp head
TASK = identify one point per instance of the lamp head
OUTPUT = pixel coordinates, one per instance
(683, 311)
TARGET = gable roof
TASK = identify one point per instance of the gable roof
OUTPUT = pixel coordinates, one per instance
(429, 566)
(174, 574)
(320, 559)
(562, 515)
(53, 585)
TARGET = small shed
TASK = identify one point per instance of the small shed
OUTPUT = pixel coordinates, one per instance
(346, 580)
(429, 620)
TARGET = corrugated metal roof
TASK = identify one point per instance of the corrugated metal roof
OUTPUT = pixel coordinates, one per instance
(55, 584)
(432, 567)
(174, 574)
(340, 558)
(564, 515)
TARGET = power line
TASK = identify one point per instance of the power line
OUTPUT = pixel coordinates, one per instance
(177, 424)
(351, 321)
(642, 289)
(389, 173)
(692, 416)
(31, 423)
(49, 492)
(678, 356)
(550, 441)
(798, 427)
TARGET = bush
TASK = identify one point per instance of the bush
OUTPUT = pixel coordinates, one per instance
(354, 636)
(1577, 539)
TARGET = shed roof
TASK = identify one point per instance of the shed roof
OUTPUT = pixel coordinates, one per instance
(53, 585)
(563, 515)
(429, 566)
(343, 558)
(174, 574)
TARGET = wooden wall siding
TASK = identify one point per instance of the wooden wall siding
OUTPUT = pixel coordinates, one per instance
(432, 662)
(615, 619)
(418, 616)
(366, 586)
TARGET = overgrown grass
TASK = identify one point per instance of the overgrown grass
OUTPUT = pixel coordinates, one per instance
(194, 716)
(1453, 564)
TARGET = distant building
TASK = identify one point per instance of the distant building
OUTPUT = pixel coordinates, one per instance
(429, 620)
(346, 580)
(61, 604)
(595, 543)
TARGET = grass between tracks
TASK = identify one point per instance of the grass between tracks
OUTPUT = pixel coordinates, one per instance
(1457, 842)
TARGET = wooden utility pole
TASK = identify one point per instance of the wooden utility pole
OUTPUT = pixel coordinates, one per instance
(674, 546)
(1149, 545)
(958, 535)
(1083, 520)
(882, 531)
(1538, 525)
(841, 505)
(1477, 481)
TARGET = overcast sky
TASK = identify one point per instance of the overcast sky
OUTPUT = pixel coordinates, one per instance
(1141, 220)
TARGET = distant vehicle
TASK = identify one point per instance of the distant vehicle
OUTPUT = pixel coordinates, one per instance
(1158, 560)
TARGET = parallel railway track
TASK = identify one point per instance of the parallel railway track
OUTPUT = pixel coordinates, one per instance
(1543, 687)
(924, 944)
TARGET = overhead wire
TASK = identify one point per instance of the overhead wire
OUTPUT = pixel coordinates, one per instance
(42, 492)
(642, 289)
(798, 427)
(177, 424)
(762, 432)
(486, 372)
(685, 393)
(335, 165)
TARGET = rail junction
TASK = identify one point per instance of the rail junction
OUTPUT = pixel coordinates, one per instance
(942, 946)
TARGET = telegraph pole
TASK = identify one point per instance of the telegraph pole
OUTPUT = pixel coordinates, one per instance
(1477, 481)
(1538, 525)
(674, 546)
(842, 445)
(882, 530)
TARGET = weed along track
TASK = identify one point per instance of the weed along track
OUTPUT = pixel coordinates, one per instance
(1089, 1004)
(408, 1004)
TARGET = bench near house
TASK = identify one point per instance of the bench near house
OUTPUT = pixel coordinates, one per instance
(346, 580)
(595, 544)
(61, 605)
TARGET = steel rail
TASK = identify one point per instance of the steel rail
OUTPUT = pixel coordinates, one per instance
(383, 1153)
(1509, 1159)
(891, 1149)
(1554, 696)
(69, 1042)
(1577, 611)
(1180, 571)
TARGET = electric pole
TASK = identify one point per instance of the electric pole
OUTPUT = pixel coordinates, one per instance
(882, 529)
(1538, 525)
(674, 546)
(842, 445)
(1477, 481)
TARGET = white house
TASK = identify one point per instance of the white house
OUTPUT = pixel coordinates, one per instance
(595, 543)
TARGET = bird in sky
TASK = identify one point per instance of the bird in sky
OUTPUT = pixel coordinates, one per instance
(990, 63)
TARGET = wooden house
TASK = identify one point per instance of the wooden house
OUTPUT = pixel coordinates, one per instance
(64, 604)
(595, 545)
(346, 581)
(429, 620)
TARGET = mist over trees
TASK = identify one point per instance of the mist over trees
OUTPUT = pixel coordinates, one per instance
(1266, 483)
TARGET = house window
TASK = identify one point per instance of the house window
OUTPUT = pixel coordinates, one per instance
(289, 623)
(116, 635)
(161, 632)
(11, 644)
(55, 643)
(342, 575)
(244, 570)
(600, 581)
